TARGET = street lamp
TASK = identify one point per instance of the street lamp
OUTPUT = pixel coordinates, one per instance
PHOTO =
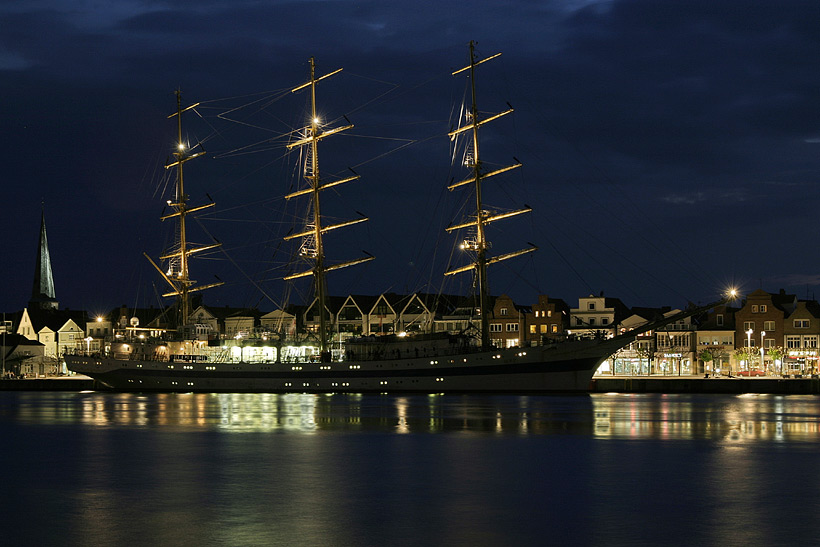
(749, 350)
(762, 366)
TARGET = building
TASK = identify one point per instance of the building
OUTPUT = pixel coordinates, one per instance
(597, 316)
(507, 323)
(801, 332)
(547, 320)
(716, 341)
(760, 322)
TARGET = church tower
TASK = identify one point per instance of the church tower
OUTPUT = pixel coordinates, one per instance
(42, 294)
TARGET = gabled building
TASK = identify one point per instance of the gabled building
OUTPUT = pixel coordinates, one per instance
(508, 323)
(279, 321)
(59, 331)
(242, 323)
(802, 340)
(762, 320)
(547, 320)
(21, 356)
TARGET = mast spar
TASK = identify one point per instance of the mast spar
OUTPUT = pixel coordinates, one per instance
(177, 275)
(482, 218)
(312, 236)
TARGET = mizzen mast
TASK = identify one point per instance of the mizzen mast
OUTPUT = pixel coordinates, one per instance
(312, 235)
(478, 223)
(177, 275)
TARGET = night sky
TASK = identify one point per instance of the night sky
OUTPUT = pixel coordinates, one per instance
(670, 149)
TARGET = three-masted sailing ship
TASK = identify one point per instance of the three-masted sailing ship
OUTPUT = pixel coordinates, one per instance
(450, 365)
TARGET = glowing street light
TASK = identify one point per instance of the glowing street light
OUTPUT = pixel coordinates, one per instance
(749, 349)
(762, 334)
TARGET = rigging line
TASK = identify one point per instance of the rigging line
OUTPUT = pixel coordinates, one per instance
(396, 85)
(249, 278)
(405, 145)
(283, 90)
(683, 264)
(373, 137)
(267, 100)
(248, 149)
(571, 267)
(587, 252)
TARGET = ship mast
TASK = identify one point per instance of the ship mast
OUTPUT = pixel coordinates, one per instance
(482, 218)
(177, 275)
(312, 236)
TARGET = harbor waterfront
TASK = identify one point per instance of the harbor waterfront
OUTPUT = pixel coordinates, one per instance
(103, 468)
(614, 384)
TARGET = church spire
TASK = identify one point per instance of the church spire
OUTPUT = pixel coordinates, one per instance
(42, 293)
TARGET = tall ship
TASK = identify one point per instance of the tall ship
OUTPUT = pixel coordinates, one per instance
(180, 360)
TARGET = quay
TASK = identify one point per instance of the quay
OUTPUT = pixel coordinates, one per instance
(609, 384)
(49, 383)
(693, 384)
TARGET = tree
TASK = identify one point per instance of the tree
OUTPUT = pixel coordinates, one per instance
(743, 354)
(707, 357)
(777, 353)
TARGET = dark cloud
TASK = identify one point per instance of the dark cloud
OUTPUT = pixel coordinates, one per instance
(669, 147)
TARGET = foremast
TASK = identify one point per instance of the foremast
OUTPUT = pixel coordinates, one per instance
(312, 236)
(177, 275)
(478, 223)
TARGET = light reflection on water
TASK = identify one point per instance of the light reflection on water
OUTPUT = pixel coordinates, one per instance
(298, 469)
(733, 419)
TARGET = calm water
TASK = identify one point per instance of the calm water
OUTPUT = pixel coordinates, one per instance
(338, 470)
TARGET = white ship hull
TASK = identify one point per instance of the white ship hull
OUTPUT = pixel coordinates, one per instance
(566, 367)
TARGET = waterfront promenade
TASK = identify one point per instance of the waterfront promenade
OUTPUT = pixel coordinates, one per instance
(701, 384)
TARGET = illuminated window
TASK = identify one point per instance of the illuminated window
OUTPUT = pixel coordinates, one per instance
(763, 308)
(532, 329)
(543, 329)
(555, 328)
(754, 308)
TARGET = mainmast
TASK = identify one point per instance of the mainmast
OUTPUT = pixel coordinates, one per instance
(177, 275)
(312, 244)
(479, 221)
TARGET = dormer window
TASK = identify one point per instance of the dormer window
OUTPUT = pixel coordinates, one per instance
(754, 308)
(763, 308)
(591, 306)
(503, 311)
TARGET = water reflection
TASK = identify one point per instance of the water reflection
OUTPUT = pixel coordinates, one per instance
(734, 419)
